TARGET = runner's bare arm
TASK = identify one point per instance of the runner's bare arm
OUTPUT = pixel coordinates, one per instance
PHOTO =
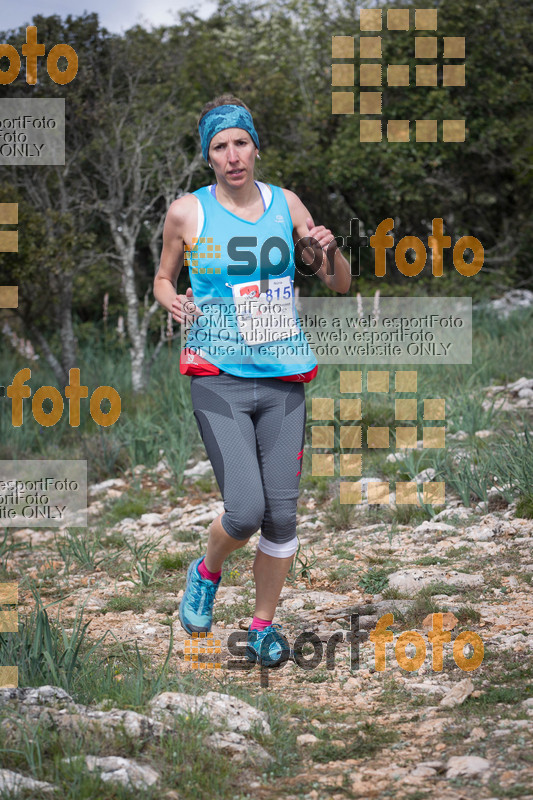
(303, 226)
(178, 220)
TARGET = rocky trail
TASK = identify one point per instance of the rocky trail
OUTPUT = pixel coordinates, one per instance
(357, 731)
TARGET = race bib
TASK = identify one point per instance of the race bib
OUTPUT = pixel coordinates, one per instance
(268, 316)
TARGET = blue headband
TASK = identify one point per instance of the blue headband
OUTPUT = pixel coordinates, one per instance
(222, 117)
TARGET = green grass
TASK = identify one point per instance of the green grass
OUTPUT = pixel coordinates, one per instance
(374, 581)
(132, 504)
(318, 485)
(85, 547)
(457, 552)
(465, 412)
(339, 516)
(417, 612)
(391, 593)
(410, 514)
(186, 536)
(439, 587)
(205, 484)
(510, 695)
(303, 562)
(524, 507)
(135, 603)
(511, 792)
(429, 561)
(172, 561)
(343, 576)
(467, 614)
(343, 552)
(313, 676)
(44, 652)
(361, 742)
(231, 613)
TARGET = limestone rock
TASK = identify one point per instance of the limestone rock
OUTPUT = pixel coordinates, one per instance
(427, 687)
(412, 580)
(511, 301)
(458, 694)
(104, 723)
(238, 747)
(423, 772)
(294, 603)
(100, 488)
(199, 470)
(431, 525)
(306, 738)
(151, 519)
(466, 765)
(125, 771)
(15, 782)
(476, 734)
(222, 709)
(55, 708)
(52, 696)
(479, 534)
(438, 766)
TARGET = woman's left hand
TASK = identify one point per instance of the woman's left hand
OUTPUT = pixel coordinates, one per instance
(322, 235)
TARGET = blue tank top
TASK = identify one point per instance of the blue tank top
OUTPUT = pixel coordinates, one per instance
(215, 335)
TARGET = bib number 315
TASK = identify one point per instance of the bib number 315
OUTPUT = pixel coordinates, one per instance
(269, 316)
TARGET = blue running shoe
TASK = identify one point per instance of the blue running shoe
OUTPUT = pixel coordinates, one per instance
(196, 607)
(268, 647)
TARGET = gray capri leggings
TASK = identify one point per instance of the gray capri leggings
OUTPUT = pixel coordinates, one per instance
(253, 430)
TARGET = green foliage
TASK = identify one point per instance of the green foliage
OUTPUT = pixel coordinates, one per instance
(140, 553)
(410, 514)
(429, 561)
(7, 549)
(524, 507)
(513, 463)
(471, 477)
(171, 561)
(375, 580)
(467, 614)
(44, 652)
(319, 485)
(470, 413)
(502, 694)
(139, 95)
(130, 504)
(301, 565)
(125, 603)
(343, 575)
(361, 742)
(339, 516)
(82, 545)
(417, 612)
(439, 587)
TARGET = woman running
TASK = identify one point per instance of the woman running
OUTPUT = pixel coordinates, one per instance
(247, 358)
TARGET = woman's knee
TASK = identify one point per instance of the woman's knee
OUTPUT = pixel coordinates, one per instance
(280, 523)
(242, 522)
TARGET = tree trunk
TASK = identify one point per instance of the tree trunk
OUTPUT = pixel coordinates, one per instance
(137, 327)
(60, 374)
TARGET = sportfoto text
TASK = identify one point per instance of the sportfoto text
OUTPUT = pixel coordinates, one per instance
(243, 262)
(379, 636)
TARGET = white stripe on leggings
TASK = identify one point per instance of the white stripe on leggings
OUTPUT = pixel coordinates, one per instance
(277, 549)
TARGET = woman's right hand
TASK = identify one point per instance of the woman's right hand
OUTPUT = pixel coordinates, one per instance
(184, 309)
